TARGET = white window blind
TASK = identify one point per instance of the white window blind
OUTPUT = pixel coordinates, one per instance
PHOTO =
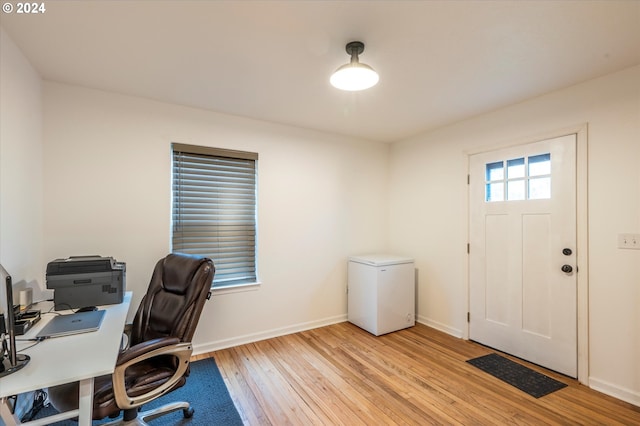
(214, 209)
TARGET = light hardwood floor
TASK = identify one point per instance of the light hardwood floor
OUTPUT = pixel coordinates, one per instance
(342, 375)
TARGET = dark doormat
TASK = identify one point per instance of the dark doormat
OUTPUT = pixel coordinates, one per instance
(527, 380)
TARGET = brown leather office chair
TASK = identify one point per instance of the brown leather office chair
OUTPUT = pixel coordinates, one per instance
(157, 359)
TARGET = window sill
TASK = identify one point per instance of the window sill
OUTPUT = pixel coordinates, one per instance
(238, 288)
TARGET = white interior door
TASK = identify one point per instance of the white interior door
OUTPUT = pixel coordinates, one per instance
(522, 257)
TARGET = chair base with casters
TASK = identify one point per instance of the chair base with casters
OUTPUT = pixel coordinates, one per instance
(141, 418)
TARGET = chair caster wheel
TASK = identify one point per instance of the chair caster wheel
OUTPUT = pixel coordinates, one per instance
(187, 413)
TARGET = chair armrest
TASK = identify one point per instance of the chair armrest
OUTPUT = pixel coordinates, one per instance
(143, 351)
(139, 350)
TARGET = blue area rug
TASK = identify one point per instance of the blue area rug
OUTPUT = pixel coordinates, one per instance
(205, 390)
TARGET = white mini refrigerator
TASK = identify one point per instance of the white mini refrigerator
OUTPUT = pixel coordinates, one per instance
(381, 293)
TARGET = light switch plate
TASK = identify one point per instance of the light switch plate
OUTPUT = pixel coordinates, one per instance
(629, 241)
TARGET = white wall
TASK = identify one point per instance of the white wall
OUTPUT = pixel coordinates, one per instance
(428, 217)
(107, 191)
(21, 235)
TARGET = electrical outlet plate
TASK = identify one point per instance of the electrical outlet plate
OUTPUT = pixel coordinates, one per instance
(629, 241)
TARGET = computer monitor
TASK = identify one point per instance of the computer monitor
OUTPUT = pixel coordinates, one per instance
(10, 361)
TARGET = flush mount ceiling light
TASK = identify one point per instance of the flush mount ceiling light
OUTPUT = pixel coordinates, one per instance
(354, 75)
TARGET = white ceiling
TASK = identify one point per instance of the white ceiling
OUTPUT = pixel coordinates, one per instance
(439, 61)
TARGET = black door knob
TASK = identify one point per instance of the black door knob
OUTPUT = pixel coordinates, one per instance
(567, 251)
(566, 268)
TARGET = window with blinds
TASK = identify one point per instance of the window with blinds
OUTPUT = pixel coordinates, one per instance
(214, 210)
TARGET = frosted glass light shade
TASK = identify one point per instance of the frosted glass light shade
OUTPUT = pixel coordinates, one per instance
(354, 76)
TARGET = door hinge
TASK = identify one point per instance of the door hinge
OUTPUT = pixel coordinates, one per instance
(468, 248)
(468, 316)
(468, 179)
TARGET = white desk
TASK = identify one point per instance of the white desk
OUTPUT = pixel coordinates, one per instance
(66, 359)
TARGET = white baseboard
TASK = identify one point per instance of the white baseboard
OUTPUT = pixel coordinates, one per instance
(440, 327)
(276, 332)
(268, 334)
(627, 395)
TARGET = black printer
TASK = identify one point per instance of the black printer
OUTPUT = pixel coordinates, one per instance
(80, 281)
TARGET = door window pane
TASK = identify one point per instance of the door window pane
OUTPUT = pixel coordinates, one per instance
(515, 168)
(540, 188)
(495, 191)
(515, 190)
(540, 165)
(495, 171)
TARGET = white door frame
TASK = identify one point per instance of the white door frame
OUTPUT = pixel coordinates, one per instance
(582, 244)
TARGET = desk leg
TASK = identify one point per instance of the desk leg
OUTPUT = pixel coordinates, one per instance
(9, 418)
(85, 402)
